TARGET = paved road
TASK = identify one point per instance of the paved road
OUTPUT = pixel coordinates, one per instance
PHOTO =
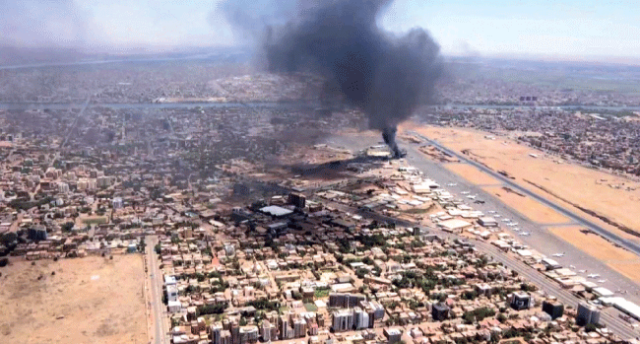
(157, 307)
(578, 219)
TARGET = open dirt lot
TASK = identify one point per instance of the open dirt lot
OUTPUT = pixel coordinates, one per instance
(629, 269)
(471, 174)
(599, 191)
(88, 300)
(617, 258)
(528, 207)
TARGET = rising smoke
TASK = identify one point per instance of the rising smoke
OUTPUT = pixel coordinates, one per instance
(383, 74)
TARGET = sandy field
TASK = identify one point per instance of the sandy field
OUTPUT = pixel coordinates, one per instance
(88, 300)
(594, 245)
(598, 191)
(530, 208)
(471, 174)
(630, 270)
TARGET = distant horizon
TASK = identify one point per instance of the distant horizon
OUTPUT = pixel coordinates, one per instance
(90, 55)
(567, 30)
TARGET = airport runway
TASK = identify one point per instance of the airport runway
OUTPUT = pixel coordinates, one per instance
(540, 238)
(578, 219)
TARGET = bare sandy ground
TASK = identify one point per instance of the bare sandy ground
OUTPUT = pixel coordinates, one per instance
(629, 269)
(471, 174)
(88, 300)
(532, 209)
(619, 259)
(571, 184)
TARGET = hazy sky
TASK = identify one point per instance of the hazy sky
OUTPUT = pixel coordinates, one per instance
(586, 28)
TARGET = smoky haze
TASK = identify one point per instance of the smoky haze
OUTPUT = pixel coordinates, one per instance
(42, 23)
(384, 74)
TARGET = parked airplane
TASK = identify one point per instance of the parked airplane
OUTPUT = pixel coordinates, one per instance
(593, 275)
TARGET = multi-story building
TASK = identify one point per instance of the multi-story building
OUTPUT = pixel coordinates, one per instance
(520, 300)
(587, 314)
(393, 335)
(439, 312)
(285, 330)
(361, 318)
(248, 334)
(345, 300)
(299, 328)
(215, 332)
(225, 337)
(554, 308)
(342, 320)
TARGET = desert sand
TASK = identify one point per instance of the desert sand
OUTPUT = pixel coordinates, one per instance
(88, 300)
(530, 208)
(619, 259)
(471, 174)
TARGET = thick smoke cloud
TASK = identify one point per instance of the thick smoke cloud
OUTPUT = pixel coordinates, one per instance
(42, 23)
(383, 74)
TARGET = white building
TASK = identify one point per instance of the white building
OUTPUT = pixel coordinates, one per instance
(117, 203)
(63, 188)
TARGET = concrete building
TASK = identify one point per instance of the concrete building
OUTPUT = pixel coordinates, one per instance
(269, 331)
(174, 306)
(361, 318)
(248, 334)
(439, 312)
(215, 331)
(298, 199)
(488, 222)
(393, 335)
(225, 337)
(285, 329)
(117, 203)
(587, 314)
(554, 308)
(63, 188)
(172, 292)
(345, 300)
(299, 328)
(342, 320)
(37, 233)
(520, 300)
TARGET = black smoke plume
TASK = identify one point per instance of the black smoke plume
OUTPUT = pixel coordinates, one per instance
(383, 74)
